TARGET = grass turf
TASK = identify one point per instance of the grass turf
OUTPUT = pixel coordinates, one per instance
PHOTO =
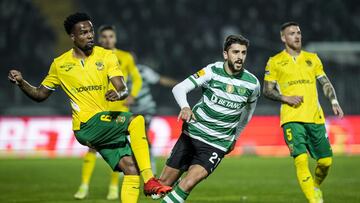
(237, 179)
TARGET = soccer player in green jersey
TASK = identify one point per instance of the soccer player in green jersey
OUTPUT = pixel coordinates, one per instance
(84, 73)
(212, 126)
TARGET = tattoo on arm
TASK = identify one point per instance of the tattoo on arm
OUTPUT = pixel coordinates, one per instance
(270, 91)
(38, 94)
(328, 89)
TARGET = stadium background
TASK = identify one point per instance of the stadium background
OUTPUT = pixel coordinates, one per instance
(175, 38)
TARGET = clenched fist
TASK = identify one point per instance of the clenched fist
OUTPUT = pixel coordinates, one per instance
(15, 77)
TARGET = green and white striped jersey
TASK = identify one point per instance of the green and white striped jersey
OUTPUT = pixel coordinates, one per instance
(224, 99)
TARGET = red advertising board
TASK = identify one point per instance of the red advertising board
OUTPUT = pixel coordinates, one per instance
(53, 137)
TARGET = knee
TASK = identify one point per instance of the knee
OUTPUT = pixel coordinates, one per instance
(128, 166)
(324, 162)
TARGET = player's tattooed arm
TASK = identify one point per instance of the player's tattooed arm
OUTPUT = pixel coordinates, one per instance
(328, 89)
(121, 89)
(38, 94)
(270, 91)
(330, 93)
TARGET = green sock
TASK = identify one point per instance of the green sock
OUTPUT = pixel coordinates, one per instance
(177, 195)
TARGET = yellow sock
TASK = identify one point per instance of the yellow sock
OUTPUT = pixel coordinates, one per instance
(88, 167)
(304, 176)
(321, 171)
(114, 178)
(130, 189)
(140, 147)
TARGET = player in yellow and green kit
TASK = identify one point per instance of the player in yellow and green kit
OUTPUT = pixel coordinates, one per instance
(84, 73)
(107, 39)
(290, 78)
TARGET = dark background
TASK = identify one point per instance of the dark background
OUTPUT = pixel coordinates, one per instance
(176, 38)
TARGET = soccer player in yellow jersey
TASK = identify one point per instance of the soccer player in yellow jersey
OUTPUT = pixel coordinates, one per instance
(290, 78)
(84, 73)
(107, 39)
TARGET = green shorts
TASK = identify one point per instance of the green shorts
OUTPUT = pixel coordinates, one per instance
(106, 132)
(303, 137)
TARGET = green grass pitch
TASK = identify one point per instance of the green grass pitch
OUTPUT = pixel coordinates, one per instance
(237, 179)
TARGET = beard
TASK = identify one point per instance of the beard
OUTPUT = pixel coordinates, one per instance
(87, 47)
(295, 46)
(233, 65)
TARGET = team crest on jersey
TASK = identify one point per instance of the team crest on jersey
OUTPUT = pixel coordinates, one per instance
(309, 63)
(242, 91)
(67, 66)
(199, 74)
(120, 119)
(99, 65)
(229, 88)
(283, 63)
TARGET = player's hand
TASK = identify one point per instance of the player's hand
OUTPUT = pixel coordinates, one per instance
(186, 114)
(293, 101)
(130, 100)
(112, 95)
(337, 110)
(15, 77)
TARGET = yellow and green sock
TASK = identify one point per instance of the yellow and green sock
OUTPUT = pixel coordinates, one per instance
(130, 189)
(304, 176)
(88, 167)
(321, 170)
(140, 147)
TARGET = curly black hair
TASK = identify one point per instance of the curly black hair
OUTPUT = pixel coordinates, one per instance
(235, 39)
(72, 19)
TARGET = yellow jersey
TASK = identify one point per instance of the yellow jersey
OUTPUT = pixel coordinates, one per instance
(129, 69)
(297, 77)
(84, 81)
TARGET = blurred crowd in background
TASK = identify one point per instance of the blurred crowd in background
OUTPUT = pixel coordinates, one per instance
(176, 38)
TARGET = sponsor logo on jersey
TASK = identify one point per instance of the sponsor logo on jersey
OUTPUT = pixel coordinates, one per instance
(99, 65)
(86, 88)
(299, 82)
(199, 74)
(67, 66)
(226, 103)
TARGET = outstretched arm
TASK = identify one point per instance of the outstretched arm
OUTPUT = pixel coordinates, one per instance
(270, 91)
(121, 91)
(329, 93)
(38, 94)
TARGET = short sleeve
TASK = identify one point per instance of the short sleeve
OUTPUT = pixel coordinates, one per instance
(113, 66)
(51, 81)
(202, 76)
(255, 94)
(149, 74)
(270, 72)
(319, 70)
